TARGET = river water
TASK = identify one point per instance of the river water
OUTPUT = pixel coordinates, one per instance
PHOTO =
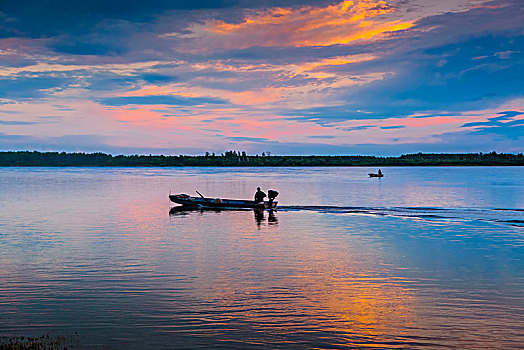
(426, 257)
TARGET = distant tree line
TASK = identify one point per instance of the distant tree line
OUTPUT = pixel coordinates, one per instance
(236, 158)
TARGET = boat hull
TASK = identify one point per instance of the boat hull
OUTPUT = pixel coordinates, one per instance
(375, 175)
(221, 203)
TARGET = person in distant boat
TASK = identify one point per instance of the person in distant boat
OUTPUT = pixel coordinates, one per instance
(379, 172)
(259, 195)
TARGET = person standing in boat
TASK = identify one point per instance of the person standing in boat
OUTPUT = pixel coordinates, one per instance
(379, 172)
(259, 195)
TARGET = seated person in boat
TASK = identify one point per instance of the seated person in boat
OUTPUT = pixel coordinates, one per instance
(259, 195)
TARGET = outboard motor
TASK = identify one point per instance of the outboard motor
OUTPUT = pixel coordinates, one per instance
(271, 194)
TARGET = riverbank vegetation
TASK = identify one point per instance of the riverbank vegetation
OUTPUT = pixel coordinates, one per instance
(235, 158)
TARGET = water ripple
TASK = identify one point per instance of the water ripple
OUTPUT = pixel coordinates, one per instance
(514, 217)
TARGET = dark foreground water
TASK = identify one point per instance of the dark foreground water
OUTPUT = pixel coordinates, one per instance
(422, 258)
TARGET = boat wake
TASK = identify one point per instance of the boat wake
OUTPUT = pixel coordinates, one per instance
(514, 217)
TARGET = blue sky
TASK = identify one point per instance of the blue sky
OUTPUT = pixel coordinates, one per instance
(288, 77)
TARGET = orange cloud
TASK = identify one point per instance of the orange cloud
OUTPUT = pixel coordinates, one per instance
(334, 61)
(342, 23)
(307, 18)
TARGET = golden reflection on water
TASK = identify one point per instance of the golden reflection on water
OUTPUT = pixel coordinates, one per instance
(362, 304)
(378, 308)
(316, 287)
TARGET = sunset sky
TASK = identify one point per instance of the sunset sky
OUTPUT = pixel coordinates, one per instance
(288, 77)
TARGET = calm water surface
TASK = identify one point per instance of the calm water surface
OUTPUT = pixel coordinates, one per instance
(422, 258)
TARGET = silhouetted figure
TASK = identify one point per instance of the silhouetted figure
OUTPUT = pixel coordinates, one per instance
(259, 195)
(379, 172)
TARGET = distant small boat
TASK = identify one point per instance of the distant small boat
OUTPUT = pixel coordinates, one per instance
(378, 174)
(220, 203)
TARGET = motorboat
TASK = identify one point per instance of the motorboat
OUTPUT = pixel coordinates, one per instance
(223, 203)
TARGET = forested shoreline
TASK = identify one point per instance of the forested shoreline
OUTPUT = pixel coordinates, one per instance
(234, 158)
